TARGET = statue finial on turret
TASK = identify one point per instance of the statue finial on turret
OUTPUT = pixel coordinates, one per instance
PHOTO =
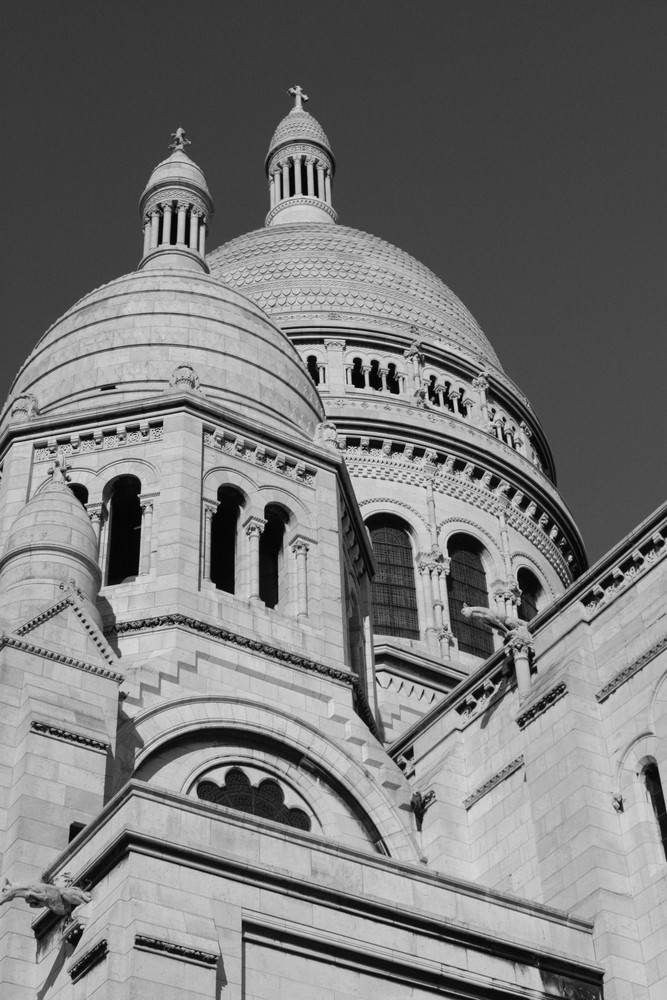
(180, 140)
(297, 93)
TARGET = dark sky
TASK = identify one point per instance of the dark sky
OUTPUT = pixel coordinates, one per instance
(516, 147)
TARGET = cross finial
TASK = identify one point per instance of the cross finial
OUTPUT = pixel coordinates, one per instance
(180, 141)
(297, 93)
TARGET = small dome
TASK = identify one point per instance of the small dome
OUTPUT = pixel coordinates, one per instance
(177, 169)
(299, 126)
(126, 342)
(50, 544)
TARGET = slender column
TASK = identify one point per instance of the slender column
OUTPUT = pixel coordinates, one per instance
(327, 187)
(194, 229)
(300, 549)
(146, 533)
(366, 372)
(155, 227)
(427, 595)
(147, 234)
(254, 526)
(297, 174)
(455, 397)
(320, 181)
(272, 189)
(96, 513)
(285, 169)
(310, 176)
(520, 648)
(166, 223)
(182, 215)
(383, 375)
(202, 237)
(210, 508)
(322, 373)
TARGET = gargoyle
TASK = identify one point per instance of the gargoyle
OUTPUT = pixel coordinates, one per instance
(508, 626)
(60, 899)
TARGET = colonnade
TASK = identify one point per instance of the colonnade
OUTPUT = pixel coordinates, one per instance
(190, 227)
(286, 179)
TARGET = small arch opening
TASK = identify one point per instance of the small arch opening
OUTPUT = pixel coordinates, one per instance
(224, 533)
(374, 377)
(357, 377)
(531, 591)
(656, 796)
(124, 530)
(432, 394)
(313, 368)
(80, 492)
(271, 555)
(393, 383)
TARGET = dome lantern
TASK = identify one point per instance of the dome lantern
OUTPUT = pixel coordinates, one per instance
(175, 208)
(300, 167)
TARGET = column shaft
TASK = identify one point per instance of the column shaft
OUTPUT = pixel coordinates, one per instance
(166, 223)
(194, 229)
(182, 214)
(297, 175)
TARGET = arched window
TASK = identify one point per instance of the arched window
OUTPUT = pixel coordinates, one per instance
(313, 368)
(466, 584)
(393, 383)
(124, 531)
(657, 798)
(531, 590)
(393, 592)
(80, 492)
(224, 529)
(271, 555)
(374, 377)
(265, 799)
(357, 377)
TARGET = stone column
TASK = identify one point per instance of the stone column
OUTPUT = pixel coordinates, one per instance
(194, 229)
(166, 223)
(202, 237)
(300, 549)
(327, 187)
(147, 234)
(97, 515)
(481, 385)
(155, 227)
(520, 648)
(146, 535)
(337, 376)
(210, 507)
(285, 169)
(310, 176)
(320, 181)
(254, 526)
(296, 160)
(182, 216)
(272, 189)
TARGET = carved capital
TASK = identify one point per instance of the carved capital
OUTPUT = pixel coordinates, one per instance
(254, 526)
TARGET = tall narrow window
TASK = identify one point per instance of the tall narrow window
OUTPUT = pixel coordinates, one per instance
(394, 595)
(466, 584)
(657, 798)
(271, 556)
(224, 530)
(530, 589)
(313, 368)
(357, 376)
(124, 531)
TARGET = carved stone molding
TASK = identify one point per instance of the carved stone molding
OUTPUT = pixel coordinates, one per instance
(98, 439)
(542, 706)
(632, 668)
(256, 454)
(89, 960)
(626, 572)
(479, 698)
(70, 661)
(66, 736)
(323, 205)
(254, 646)
(24, 407)
(494, 780)
(178, 951)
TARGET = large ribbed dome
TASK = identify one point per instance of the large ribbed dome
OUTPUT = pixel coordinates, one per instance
(133, 338)
(314, 273)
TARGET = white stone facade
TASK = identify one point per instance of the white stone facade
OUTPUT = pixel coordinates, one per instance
(264, 794)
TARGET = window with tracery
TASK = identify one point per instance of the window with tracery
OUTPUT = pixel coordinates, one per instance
(530, 589)
(393, 591)
(124, 544)
(466, 584)
(265, 799)
(657, 798)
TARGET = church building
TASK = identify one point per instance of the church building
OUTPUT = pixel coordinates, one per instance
(308, 691)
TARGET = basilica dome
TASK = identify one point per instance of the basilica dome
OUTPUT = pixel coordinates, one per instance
(162, 328)
(316, 274)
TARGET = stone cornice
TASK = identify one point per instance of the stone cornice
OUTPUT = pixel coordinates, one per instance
(89, 960)
(256, 454)
(542, 705)
(48, 654)
(70, 600)
(254, 646)
(494, 780)
(66, 736)
(179, 951)
(633, 668)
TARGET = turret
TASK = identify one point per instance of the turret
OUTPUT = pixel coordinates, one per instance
(300, 167)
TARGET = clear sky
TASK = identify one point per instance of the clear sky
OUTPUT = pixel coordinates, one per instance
(518, 148)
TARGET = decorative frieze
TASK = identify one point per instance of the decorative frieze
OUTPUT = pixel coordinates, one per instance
(632, 668)
(178, 951)
(89, 960)
(66, 736)
(542, 706)
(99, 439)
(495, 779)
(625, 573)
(257, 454)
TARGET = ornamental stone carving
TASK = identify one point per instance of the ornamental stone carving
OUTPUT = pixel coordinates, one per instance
(24, 407)
(184, 377)
(59, 899)
(327, 435)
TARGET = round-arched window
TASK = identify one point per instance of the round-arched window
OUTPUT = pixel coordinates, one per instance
(466, 584)
(393, 593)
